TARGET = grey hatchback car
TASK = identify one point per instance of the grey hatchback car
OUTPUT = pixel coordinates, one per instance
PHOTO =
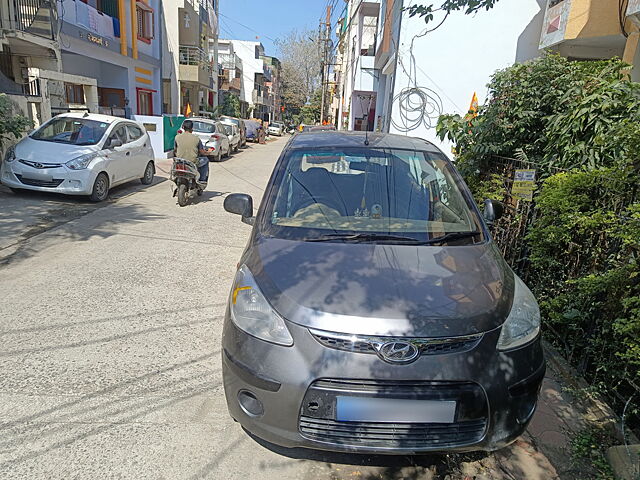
(371, 311)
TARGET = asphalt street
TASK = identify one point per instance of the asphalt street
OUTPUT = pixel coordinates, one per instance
(110, 325)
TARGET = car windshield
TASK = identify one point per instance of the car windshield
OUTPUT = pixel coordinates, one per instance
(72, 131)
(203, 127)
(416, 194)
(233, 120)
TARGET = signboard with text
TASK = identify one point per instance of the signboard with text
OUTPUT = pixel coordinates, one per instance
(524, 183)
(555, 22)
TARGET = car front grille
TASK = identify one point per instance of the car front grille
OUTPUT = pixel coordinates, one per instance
(393, 435)
(40, 183)
(370, 344)
(318, 416)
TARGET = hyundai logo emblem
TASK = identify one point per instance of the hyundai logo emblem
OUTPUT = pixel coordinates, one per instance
(398, 352)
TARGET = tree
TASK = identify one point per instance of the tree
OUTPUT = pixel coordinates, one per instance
(231, 106)
(428, 12)
(12, 126)
(301, 60)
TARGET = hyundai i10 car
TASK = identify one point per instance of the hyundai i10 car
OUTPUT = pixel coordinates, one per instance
(371, 311)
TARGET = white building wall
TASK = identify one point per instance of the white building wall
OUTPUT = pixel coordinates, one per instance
(459, 58)
(250, 66)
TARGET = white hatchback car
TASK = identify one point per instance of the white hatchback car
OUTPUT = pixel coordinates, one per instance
(233, 133)
(80, 154)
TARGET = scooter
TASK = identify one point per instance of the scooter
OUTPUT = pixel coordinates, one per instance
(185, 176)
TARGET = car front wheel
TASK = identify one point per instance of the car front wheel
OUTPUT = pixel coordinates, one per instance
(100, 189)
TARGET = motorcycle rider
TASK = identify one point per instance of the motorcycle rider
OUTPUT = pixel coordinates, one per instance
(189, 146)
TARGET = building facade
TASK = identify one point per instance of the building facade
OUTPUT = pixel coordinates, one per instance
(31, 67)
(254, 91)
(273, 88)
(117, 42)
(189, 71)
(586, 30)
(230, 74)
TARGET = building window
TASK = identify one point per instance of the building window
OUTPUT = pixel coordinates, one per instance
(108, 7)
(74, 93)
(146, 26)
(145, 102)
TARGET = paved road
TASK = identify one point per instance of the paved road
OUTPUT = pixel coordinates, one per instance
(110, 347)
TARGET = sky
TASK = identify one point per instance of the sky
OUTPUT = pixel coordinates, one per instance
(269, 20)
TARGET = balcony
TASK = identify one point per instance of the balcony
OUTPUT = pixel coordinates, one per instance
(195, 66)
(580, 29)
(257, 98)
(34, 17)
(230, 61)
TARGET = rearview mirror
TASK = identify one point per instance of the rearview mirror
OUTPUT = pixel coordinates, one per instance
(240, 204)
(113, 143)
(493, 210)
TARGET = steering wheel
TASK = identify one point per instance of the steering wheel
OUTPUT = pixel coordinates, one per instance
(324, 200)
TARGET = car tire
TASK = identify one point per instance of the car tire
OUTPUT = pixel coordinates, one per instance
(100, 190)
(149, 171)
(183, 198)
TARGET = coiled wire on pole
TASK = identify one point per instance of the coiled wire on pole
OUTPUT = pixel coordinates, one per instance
(417, 106)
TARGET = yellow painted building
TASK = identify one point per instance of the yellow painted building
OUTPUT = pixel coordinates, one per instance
(592, 29)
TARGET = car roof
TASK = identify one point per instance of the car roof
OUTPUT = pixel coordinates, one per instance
(328, 138)
(200, 119)
(92, 116)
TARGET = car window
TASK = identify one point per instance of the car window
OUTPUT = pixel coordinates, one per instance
(228, 129)
(135, 132)
(368, 190)
(203, 127)
(71, 130)
(120, 133)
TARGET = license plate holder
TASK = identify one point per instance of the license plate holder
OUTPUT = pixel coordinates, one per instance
(393, 410)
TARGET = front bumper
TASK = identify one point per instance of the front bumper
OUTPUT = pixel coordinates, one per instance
(296, 390)
(59, 179)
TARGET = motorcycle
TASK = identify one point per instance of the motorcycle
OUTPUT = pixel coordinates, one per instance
(185, 176)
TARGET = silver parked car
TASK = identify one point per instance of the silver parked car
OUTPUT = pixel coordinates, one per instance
(80, 154)
(233, 133)
(213, 137)
(276, 128)
(371, 310)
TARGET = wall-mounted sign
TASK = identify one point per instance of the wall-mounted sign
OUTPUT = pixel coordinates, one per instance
(524, 183)
(97, 39)
(555, 21)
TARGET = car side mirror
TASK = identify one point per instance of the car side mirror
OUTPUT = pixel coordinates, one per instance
(113, 143)
(240, 204)
(493, 210)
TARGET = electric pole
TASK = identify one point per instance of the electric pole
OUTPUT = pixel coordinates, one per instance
(325, 61)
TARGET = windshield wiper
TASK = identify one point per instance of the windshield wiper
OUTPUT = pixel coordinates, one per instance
(365, 237)
(381, 237)
(451, 236)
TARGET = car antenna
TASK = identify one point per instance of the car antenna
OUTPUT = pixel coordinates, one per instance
(366, 137)
(86, 114)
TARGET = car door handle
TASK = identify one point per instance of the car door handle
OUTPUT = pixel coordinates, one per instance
(128, 153)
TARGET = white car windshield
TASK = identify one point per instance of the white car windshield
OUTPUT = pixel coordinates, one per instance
(203, 127)
(73, 131)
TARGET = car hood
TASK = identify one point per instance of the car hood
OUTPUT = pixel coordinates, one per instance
(50, 152)
(369, 289)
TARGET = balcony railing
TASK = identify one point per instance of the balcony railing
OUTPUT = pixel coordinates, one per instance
(194, 56)
(30, 16)
(32, 89)
(257, 98)
(230, 61)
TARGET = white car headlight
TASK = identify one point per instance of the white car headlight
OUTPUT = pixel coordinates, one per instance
(251, 312)
(10, 156)
(81, 162)
(523, 323)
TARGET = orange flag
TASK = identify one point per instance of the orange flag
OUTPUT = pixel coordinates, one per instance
(187, 110)
(473, 108)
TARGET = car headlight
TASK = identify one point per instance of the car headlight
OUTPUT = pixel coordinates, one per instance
(251, 312)
(10, 156)
(81, 162)
(523, 323)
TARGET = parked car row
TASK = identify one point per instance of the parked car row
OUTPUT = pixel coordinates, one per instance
(88, 154)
